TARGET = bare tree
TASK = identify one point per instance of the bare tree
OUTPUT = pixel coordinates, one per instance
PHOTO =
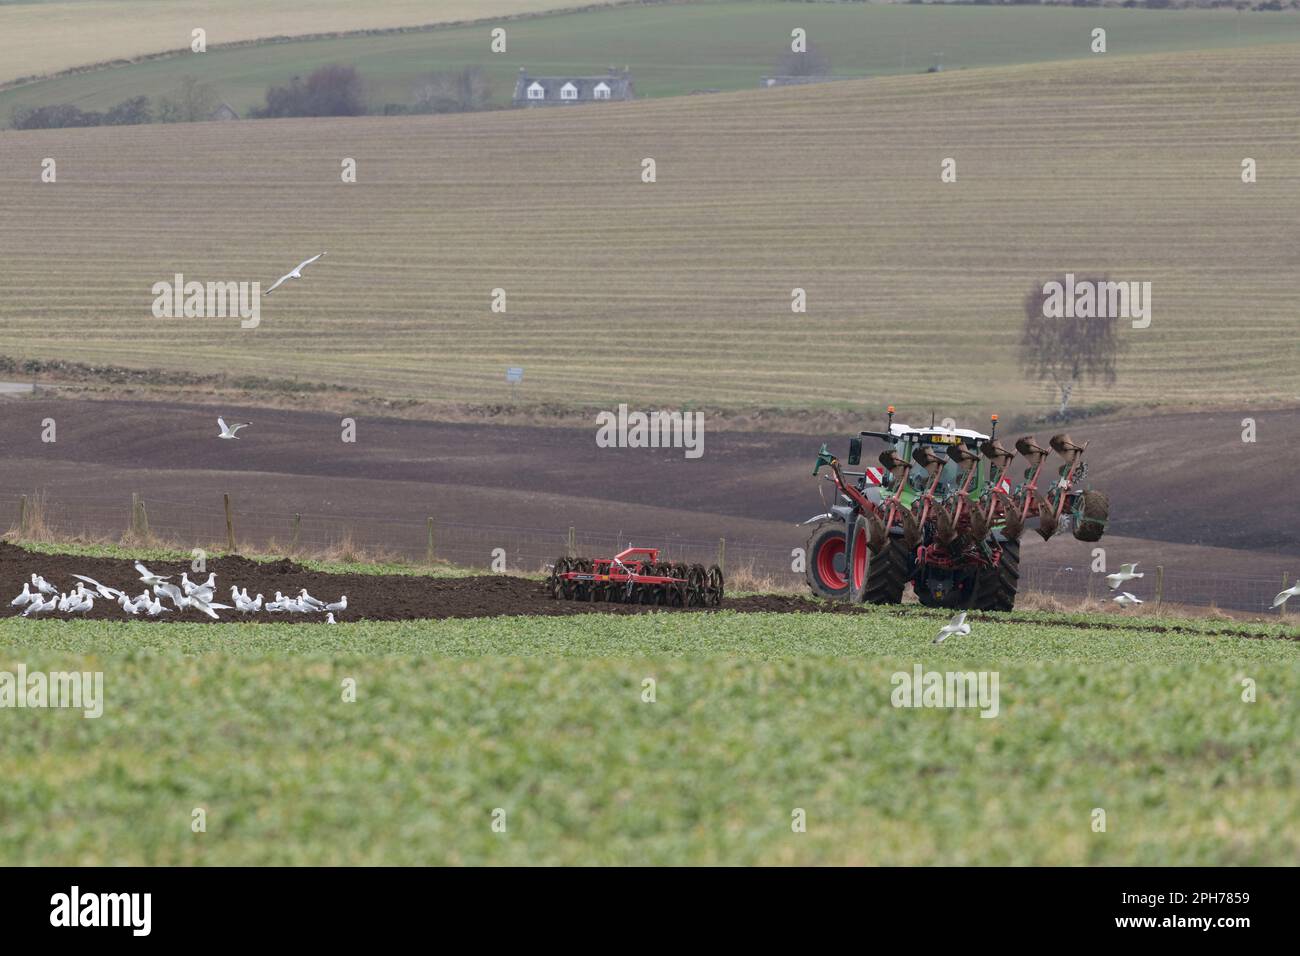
(1067, 350)
(335, 91)
(329, 91)
(462, 91)
(812, 62)
(194, 102)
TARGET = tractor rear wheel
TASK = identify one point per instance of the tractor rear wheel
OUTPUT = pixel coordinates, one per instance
(995, 588)
(824, 564)
(876, 578)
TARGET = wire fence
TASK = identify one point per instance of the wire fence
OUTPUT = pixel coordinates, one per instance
(378, 536)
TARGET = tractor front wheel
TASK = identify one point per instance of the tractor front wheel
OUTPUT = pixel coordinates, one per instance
(876, 578)
(824, 560)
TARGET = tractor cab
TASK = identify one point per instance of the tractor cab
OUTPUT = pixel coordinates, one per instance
(938, 441)
(904, 442)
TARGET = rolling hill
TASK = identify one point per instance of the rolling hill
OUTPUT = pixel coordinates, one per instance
(41, 37)
(679, 291)
(673, 48)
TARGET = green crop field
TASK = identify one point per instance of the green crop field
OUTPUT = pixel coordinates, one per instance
(754, 717)
(679, 291)
(673, 49)
(46, 36)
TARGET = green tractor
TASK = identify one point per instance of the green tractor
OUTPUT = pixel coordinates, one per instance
(943, 512)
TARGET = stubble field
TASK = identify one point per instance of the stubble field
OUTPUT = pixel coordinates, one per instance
(679, 291)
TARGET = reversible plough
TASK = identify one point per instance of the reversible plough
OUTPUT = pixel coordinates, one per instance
(945, 512)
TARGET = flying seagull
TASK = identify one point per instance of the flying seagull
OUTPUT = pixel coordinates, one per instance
(112, 594)
(957, 625)
(295, 274)
(148, 577)
(1284, 596)
(1125, 599)
(1126, 572)
(228, 431)
(189, 587)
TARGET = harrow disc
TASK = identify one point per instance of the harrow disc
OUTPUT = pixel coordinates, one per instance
(557, 585)
(582, 590)
(713, 587)
(696, 578)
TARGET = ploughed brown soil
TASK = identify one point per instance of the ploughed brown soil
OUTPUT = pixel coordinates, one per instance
(384, 597)
(1186, 493)
(370, 596)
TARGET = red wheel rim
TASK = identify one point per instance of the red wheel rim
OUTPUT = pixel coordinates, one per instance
(826, 556)
(859, 558)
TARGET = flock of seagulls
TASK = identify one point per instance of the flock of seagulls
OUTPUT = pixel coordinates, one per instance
(39, 596)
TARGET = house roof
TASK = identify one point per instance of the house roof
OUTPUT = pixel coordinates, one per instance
(620, 85)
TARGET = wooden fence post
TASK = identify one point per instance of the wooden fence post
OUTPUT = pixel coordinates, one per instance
(573, 542)
(1160, 586)
(1092, 581)
(722, 553)
(135, 514)
(144, 521)
(230, 525)
(1281, 608)
(293, 540)
(428, 551)
(22, 515)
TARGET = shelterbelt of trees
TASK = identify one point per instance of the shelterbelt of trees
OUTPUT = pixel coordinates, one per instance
(333, 90)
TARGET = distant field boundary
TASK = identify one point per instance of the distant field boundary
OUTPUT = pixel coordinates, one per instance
(332, 35)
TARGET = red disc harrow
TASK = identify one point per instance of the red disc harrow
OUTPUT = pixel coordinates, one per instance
(636, 576)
